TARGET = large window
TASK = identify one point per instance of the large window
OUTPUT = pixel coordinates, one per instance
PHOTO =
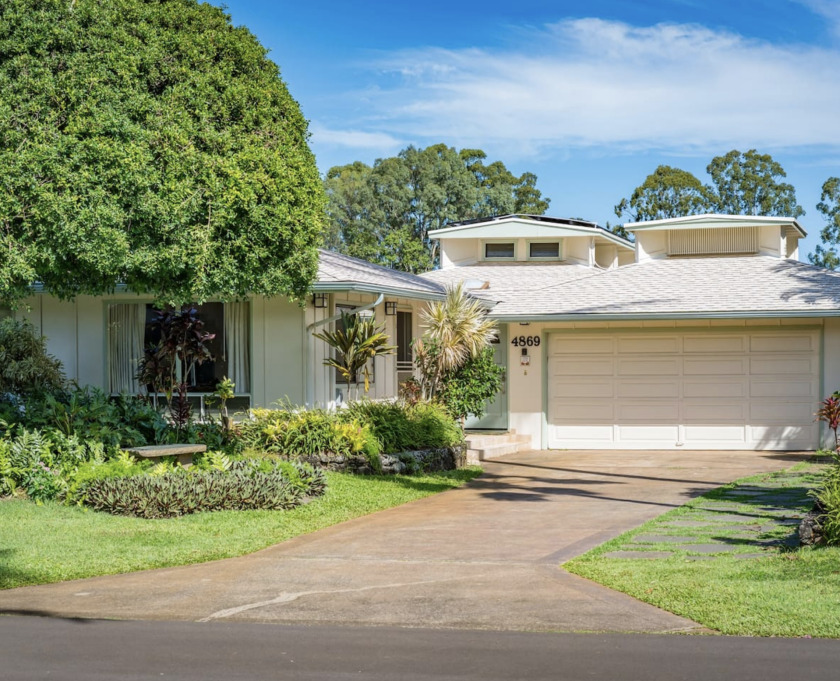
(130, 332)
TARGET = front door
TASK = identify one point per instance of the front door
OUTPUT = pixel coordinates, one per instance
(496, 416)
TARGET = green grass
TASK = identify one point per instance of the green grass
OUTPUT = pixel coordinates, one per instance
(51, 543)
(786, 593)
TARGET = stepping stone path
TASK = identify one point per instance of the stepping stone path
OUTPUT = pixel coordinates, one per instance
(735, 522)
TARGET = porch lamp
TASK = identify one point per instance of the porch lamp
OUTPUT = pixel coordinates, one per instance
(319, 300)
(391, 308)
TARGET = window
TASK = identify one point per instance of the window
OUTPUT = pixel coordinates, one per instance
(405, 358)
(130, 332)
(499, 251)
(544, 250)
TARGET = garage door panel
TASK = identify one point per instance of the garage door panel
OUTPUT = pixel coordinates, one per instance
(649, 367)
(784, 389)
(582, 412)
(604, 366)
(581, 345)
(630, 345)
(784, 343)
(718, 433)
(714, 366)
(584, 434)
(781, 412)
(648, 388)
(714, 344)
(656, 412)
(715, 412)
(663, 435)
(577, 389)
(795, 437)
(787, 366)
(715, 388)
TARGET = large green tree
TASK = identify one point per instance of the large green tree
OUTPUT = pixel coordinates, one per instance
(385, 212)
(149, 142)
(751, 184)
(666, 193)
(826, 255)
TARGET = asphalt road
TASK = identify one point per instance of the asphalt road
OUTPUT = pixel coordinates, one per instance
(90, 650)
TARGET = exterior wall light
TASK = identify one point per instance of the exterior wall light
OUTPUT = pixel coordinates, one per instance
(390, 308)
(319, 300)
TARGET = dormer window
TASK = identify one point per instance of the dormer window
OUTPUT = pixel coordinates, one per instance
(544, 250)
(500, 250)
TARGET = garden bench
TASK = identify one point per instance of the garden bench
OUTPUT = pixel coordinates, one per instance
(183, 452)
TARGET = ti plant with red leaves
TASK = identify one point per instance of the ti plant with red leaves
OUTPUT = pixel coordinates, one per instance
(167, 365)
(830, 413)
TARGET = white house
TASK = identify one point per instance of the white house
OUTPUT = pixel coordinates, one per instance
(707, 333)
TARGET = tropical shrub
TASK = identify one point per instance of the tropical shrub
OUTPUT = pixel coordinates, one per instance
(828, 502)
(400, 426)
(307, 433)
(829, 412)
(247, 485)
(25, 366)
(356, 342)
(469, 388)
(42, 463)
(89, 414)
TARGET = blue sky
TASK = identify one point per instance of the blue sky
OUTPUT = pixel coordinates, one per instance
(590, 96)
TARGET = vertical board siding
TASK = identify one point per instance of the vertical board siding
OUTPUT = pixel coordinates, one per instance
(713, 241)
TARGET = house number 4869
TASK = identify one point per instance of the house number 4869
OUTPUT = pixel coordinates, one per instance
(526, 341)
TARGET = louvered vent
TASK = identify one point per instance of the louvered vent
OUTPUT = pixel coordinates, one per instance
(713, 241)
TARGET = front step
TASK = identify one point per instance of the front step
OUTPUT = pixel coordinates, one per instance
(483, 446)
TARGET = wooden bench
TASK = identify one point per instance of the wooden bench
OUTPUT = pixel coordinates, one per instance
(183, 452)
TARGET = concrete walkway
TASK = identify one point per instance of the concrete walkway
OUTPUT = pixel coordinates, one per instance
(486, 556)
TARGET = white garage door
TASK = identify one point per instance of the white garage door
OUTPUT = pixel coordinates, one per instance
(692, 390)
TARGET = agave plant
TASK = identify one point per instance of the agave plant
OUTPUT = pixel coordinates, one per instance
(356, 342)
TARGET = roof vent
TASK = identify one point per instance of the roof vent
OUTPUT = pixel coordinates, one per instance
(706, 241)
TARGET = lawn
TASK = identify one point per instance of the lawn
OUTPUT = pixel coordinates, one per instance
(784, 592)
(50, 543)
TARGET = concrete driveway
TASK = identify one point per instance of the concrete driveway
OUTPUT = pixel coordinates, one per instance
(486, 556)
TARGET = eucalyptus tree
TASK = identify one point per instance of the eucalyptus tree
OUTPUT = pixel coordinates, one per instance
(666, 193)
(825, 254)
(750, 183)
(385, 212)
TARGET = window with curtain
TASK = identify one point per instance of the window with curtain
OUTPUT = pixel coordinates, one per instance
(130, 332)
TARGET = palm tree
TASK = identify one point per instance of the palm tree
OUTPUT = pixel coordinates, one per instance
(456, 330)
(356, 343)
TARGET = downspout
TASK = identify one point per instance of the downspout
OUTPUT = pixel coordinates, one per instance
(354, 311)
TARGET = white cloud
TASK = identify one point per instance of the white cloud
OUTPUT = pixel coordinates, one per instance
(353, 139)
(828, 9)
(595, 83)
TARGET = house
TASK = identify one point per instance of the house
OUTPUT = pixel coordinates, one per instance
(715, 337)
(706, 333)
(265, 345)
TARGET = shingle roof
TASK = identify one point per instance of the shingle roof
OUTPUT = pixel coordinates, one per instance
(336, 271)
(505, 280)
(686, 287)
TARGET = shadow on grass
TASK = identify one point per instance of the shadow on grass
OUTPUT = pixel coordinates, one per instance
(11, 577)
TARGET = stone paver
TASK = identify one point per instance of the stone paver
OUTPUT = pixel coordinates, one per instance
(486, 556)
(643, 555)
(759, 515)
(660, 539)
